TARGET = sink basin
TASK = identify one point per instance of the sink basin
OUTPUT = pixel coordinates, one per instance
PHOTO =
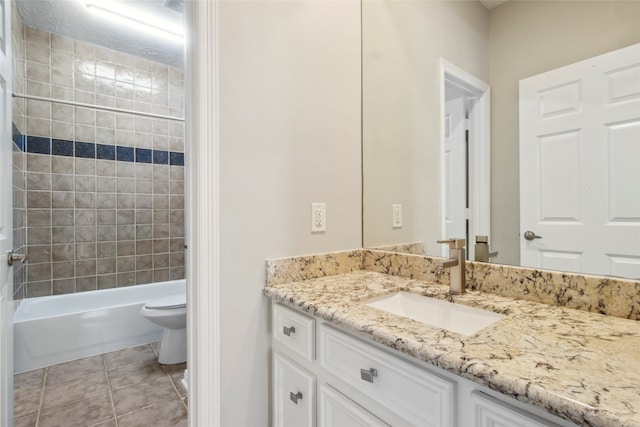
(442, 314)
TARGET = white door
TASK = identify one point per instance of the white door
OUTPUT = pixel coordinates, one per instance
(580, 166)
(6, 223)
(455, 166)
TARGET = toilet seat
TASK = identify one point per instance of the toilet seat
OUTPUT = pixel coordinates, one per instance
(169, 302)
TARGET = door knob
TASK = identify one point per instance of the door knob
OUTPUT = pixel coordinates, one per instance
(530, 235)
(13, 258)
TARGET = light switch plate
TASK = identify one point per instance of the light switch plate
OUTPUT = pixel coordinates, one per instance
(397, 216)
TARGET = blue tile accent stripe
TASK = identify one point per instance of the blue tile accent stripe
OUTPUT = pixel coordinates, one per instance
(160, 157)
(143, 155)
(62, 147)
(124, 154)
(89, 150)
(176, 159)
(17, 137)
(86, 150)
(105, 152)
(38, 145)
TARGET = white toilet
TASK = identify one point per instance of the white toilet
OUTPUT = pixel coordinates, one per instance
(170, 312)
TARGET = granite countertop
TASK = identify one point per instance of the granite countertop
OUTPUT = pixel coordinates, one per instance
(581, 366)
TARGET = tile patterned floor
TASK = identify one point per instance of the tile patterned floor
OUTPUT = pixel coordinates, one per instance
(125, 388)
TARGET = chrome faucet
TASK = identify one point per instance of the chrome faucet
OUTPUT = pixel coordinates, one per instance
(457, 277)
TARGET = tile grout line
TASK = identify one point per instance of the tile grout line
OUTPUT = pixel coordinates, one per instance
(172, 383)
(113, 405)
(169, 397)
(175, 388)
(44, 383)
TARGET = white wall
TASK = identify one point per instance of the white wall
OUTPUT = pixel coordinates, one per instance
(289, 135)
(403, 42)
(528, 38)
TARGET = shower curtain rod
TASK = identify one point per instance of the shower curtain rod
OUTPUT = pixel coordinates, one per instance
(97, 107)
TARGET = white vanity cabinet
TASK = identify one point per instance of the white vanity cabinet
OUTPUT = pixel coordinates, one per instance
(294, 385)
(325, 377)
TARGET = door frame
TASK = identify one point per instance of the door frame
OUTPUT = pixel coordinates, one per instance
(202, 219)
(203, 213)
(6, 215)
(479, 150)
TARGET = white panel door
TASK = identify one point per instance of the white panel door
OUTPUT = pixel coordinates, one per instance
(6, 222)
(455, 167)
(580, 166)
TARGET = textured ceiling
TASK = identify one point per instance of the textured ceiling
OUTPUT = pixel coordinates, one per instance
(72, 19)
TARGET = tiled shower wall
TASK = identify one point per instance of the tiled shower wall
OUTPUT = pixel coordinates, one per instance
(104, 190)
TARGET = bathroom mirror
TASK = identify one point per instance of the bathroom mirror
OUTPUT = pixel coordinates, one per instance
(404, 45)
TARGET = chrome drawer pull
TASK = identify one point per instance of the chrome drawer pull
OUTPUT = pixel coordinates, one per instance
(368, 375)
(294, 397)
(288, 331)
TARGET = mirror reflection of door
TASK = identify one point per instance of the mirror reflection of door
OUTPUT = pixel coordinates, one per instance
(456, 170)
(580, 124)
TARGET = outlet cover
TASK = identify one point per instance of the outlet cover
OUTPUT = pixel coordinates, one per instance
(318, 217)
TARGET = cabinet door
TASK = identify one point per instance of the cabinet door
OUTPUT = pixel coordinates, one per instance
(293, 395)
(337, 410)
(418, 396)
(491, 412)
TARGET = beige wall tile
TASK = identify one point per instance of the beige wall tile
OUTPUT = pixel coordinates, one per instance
(39, 253)
(61, 182)
(38, 199)
(84, 284)
(65, 200)
(64, 286)
(106, 249)
(126, 247)
(62, 165)
(106, 266)
(107, 281)
(63, 270)
(39, 272)
(63, 252)
(63, 235)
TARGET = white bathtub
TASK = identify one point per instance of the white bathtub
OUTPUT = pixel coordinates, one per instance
(60, 328)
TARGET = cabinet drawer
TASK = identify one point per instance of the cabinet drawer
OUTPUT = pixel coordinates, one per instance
(490, 412)
(414, 394)
(294, 394)
(337, 410)
(295, 330)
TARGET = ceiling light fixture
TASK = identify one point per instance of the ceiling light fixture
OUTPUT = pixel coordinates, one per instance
(137, 20)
